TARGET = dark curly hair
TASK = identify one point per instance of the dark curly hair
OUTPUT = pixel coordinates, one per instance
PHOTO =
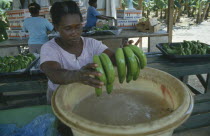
(60, 9)
(91, 2)
(34, 8)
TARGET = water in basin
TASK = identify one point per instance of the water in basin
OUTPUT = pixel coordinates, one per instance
(123, 107)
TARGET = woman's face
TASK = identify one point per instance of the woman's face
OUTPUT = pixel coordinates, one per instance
(70, 27)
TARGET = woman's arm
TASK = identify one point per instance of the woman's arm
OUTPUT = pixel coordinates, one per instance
(58, 75)
(104, 17)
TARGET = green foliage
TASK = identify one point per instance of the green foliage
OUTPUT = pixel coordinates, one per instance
(14, 63)
(177, 4)
(4, 5)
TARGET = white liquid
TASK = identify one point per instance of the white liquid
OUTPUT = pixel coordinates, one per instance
(122, 107)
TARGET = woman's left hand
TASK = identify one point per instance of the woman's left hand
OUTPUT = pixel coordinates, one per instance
(87, 75)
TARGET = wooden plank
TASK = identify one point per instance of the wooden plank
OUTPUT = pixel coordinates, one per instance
(202, 98)
(195, 121)
(130, 34)
(170, 19)
(22, 77)
(179, 68)
(200, 108)
(24, 96)
(24, 86)
(204, 131)
(13, 43)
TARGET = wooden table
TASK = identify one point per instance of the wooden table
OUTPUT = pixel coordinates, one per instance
(176, 68)
(13, 43)
(12, 47)
(182, 68)
(36, 81)
(130, 34)
(125, 34)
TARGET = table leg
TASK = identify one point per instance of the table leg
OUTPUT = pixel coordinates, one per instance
(139, 41)
(207, 83)
(124, 41)
(184, 79)
(19, 49)
(2, 99)
(149, 48)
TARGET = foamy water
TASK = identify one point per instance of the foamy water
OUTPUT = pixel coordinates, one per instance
(122, 107)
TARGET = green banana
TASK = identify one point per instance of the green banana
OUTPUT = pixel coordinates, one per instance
(129, 76)
(102, 78)
(108, 69)
(109, 88)
(140, 54)
(100, 69)
(135, 77)
(121, 66)
(131, 63)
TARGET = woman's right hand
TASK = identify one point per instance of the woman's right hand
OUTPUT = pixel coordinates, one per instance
(87, 75)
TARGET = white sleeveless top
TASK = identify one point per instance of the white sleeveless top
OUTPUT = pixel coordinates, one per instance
(51, 51)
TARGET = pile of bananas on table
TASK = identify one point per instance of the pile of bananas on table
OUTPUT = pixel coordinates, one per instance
(14, 63)
(104, 27)
(129, 61)
(187, 48)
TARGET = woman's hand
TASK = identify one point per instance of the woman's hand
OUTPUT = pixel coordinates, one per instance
(87, 75)
(112, 18)
(126, 43)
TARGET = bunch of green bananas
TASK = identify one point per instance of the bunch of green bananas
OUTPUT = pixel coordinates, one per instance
(13, 63)
(130, 57)
(106, 68)
(105, 27)
(187, 48)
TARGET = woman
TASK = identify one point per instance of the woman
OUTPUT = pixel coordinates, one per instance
(93, 15)
(37, 28)
(68, 58)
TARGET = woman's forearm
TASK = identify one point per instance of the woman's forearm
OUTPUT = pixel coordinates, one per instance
(63, 76)
(102, 17)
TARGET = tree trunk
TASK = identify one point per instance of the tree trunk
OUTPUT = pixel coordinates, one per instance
(187, 8)
(175, 16)
(193, 12)
(204, 12)
(156, 13)
(161, 14)
(190, 12)
(179, 15)
(166, 13)
(148, 13)
(185, 5)
(143, 14)
(140, 4)
(198, 20)
(179, 12)
(207, 13)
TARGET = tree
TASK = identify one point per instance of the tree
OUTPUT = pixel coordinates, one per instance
(205, 10)
(4, 5)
